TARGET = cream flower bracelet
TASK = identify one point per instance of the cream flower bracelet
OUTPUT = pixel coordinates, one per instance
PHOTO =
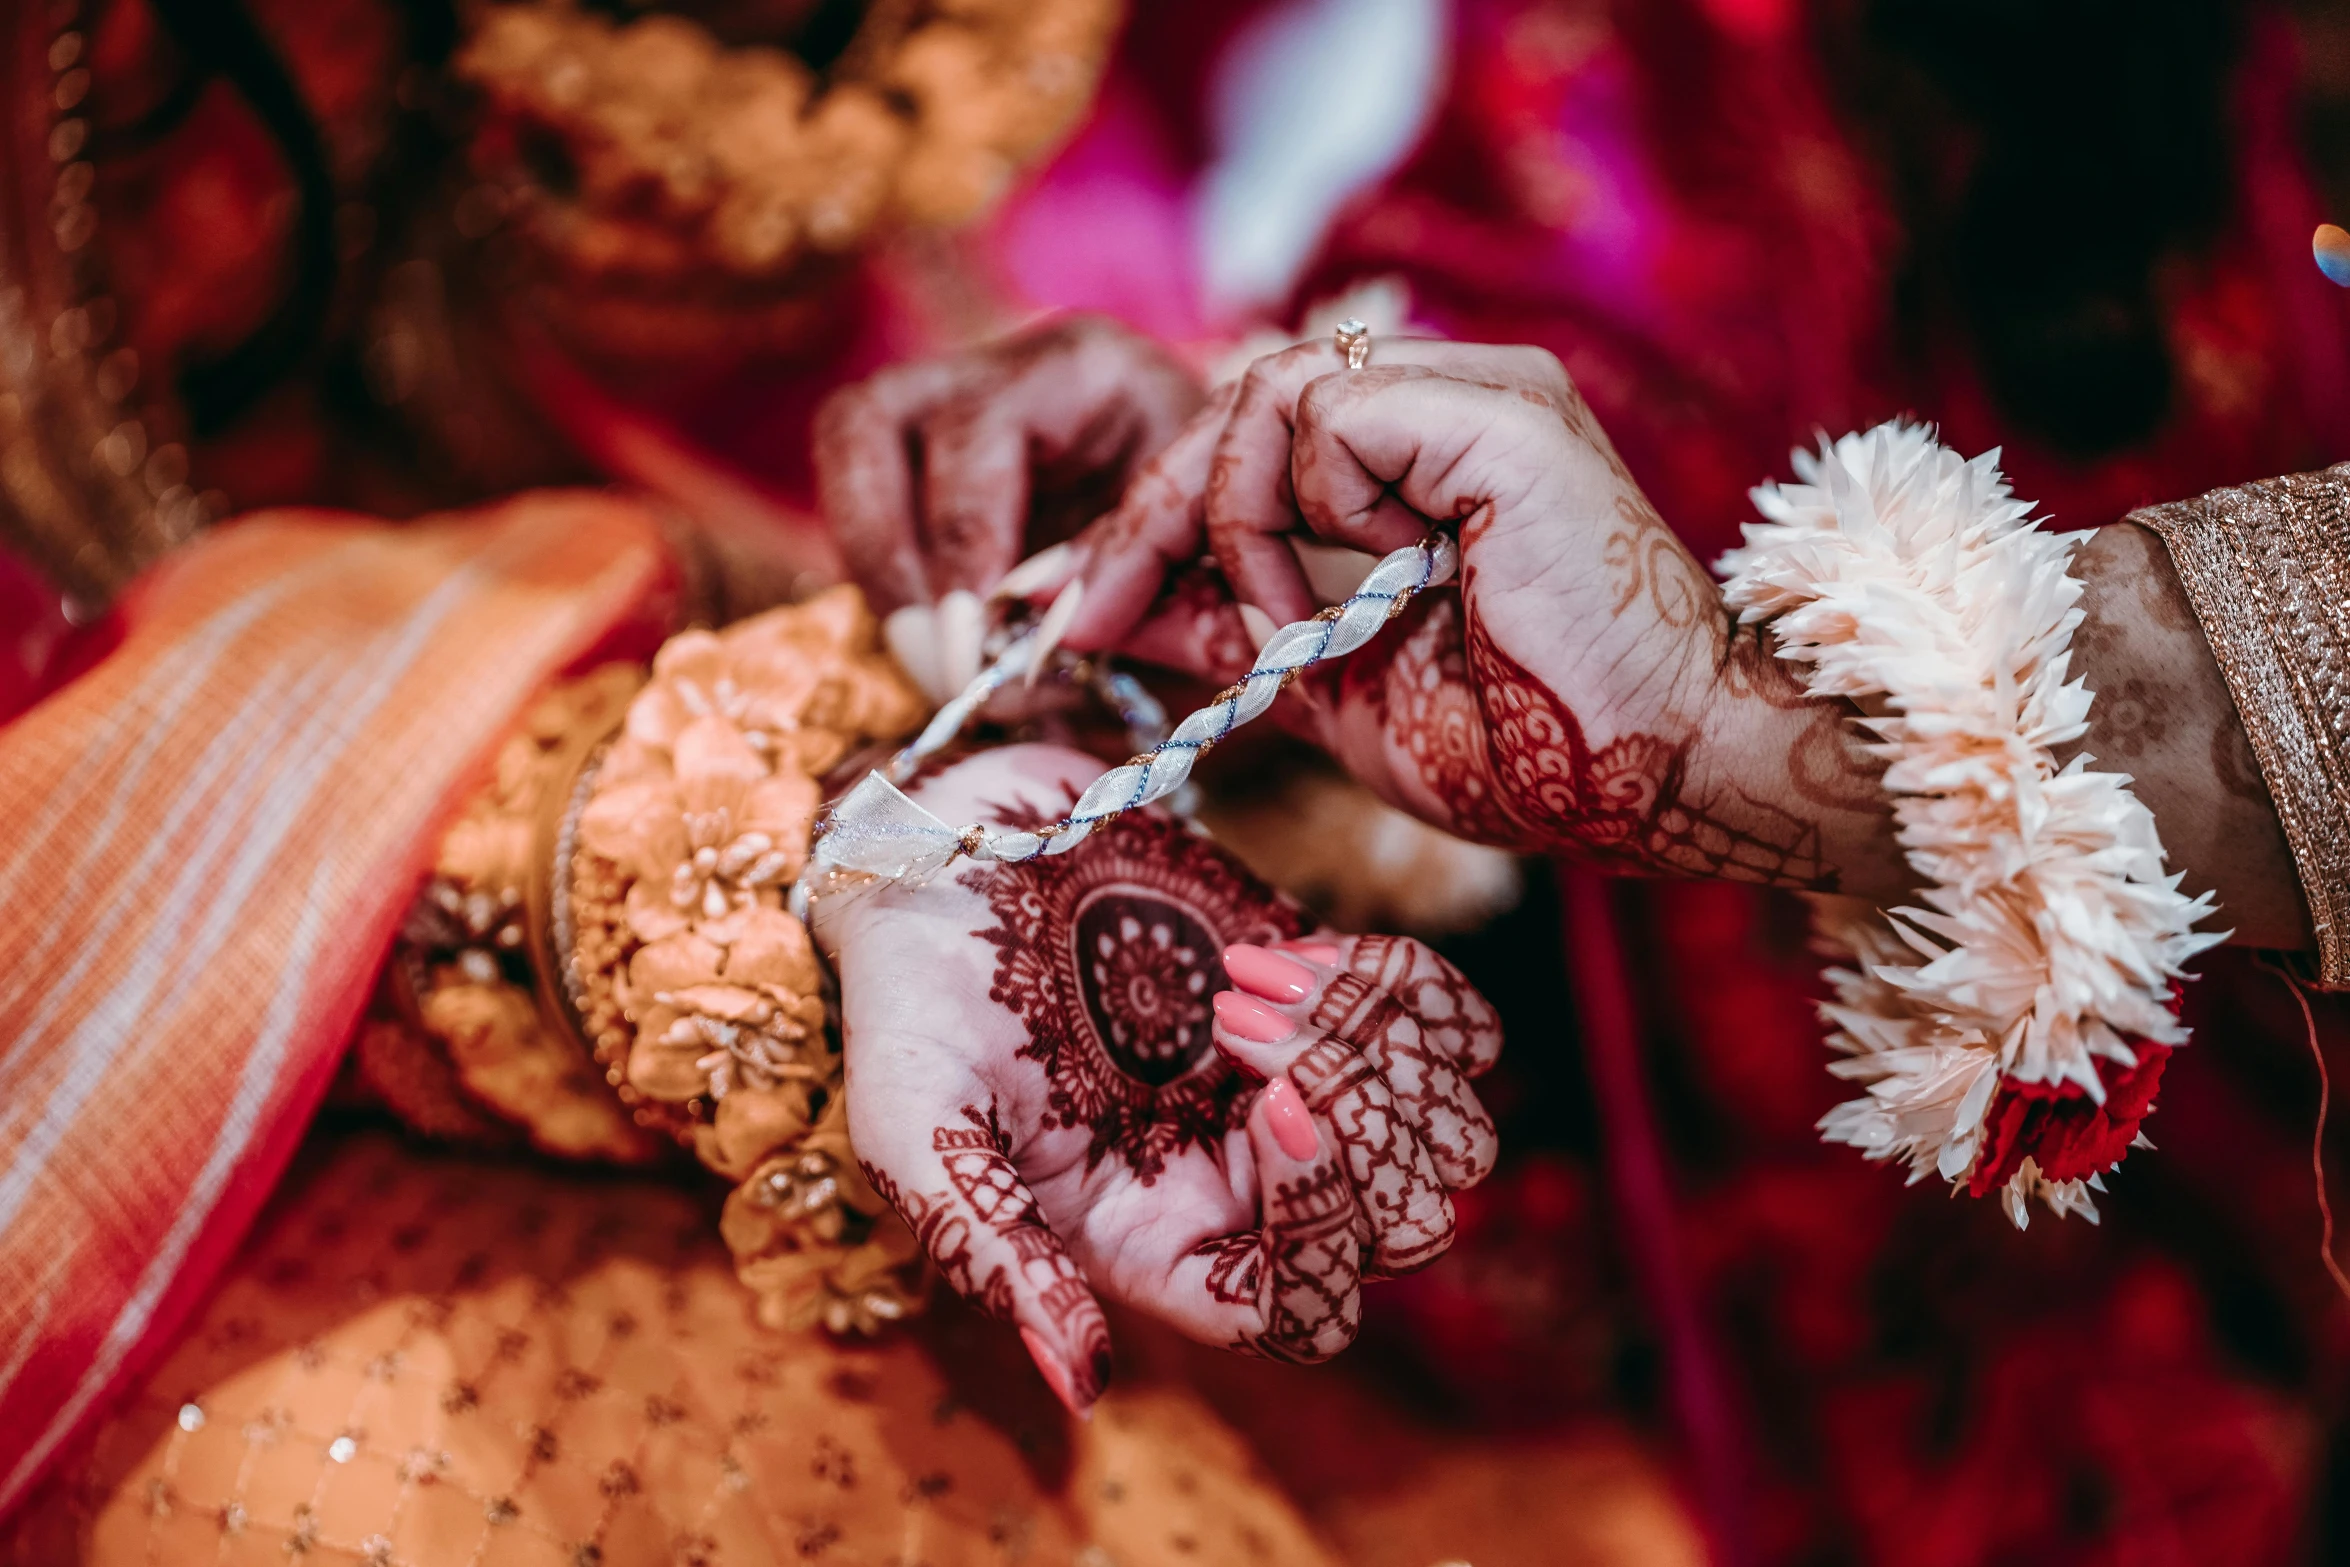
(2011, 1033)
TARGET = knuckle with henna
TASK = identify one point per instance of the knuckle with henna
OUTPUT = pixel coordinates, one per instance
(1257, 383)
(1333, 1339)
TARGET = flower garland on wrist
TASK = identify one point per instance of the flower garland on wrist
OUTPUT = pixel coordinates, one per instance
(626, 867)
(700, 994)
(462, 1045)
(2011, 1033)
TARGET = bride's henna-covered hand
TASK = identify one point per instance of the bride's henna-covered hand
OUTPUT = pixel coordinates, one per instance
(942, 473)
(1582, 691)
(1049, 1078)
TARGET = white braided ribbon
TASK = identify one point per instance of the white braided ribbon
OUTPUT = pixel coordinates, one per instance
(877, 830)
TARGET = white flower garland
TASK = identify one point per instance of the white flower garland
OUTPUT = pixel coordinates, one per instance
(1909, 579)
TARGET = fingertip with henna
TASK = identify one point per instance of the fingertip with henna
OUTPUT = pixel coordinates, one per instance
(1056, 1374)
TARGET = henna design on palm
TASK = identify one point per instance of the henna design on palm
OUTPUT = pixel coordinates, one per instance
(1108, 957)
(1095, 1066)
(1235, 1268)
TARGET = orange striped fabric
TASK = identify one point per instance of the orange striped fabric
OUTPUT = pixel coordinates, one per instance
(207, 842)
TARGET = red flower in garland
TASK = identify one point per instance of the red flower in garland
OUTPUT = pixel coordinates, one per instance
(2060, 1128)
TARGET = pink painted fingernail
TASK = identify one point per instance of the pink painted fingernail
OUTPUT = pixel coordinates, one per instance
(1313, 952)
(1291, 1122)
(1267, 974)
(1251, 1019)
(1048, 1366)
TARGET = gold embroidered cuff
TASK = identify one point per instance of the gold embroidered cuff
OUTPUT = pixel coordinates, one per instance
(2267, 567)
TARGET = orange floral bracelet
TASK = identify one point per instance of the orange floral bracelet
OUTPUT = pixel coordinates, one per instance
(610, 913)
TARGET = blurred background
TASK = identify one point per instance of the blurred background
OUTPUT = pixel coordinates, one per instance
(397, 255)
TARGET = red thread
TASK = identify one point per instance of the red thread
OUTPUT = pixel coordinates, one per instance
(2317, 1143)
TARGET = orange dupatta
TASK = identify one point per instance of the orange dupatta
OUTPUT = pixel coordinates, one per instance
(209, 839)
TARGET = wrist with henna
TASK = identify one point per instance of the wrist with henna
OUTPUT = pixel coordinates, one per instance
(1735, 774)
(2164, 715)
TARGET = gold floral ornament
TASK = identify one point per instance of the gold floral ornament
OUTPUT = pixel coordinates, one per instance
(699, 993)
(465, 1045)
(654, 164)
(814, 1241)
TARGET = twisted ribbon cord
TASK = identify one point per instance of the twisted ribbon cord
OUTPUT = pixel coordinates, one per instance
(877, 830)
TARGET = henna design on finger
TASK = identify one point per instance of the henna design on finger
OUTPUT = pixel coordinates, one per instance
(1428, 1087)
(943, 1229)
(978, 1160)
(987, 1198)
(1109, 958)
(1401, 1200)
(1308, 1255)
(1455, 1018)
(1068, 1304)
(1353, 1008)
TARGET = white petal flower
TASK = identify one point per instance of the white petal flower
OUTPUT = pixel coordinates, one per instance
(2051, 934)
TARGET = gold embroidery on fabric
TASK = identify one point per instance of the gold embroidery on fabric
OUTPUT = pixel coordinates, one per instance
(2267, 567)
